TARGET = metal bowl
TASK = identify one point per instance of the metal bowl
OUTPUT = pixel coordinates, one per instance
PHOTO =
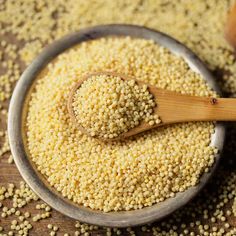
(38, 182)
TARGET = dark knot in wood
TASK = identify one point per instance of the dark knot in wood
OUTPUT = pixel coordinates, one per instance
(213, 101)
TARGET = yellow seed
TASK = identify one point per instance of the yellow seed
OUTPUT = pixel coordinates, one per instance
(50, 226)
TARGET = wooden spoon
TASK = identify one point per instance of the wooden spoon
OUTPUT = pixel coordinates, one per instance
(171, 107)
(230, 28)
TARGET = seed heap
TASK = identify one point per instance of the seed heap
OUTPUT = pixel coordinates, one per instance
(199, 24)
(107, 105)
(124, 175)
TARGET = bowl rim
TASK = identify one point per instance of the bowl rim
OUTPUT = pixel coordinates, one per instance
(30, 175)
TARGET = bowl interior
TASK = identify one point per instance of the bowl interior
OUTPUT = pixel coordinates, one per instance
(39, 184)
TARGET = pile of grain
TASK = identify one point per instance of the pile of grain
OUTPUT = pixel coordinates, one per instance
(125, 175)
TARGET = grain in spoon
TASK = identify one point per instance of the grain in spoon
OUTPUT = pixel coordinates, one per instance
(171, 107)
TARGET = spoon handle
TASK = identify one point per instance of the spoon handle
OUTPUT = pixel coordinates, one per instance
(221, 109)
(176, 107)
